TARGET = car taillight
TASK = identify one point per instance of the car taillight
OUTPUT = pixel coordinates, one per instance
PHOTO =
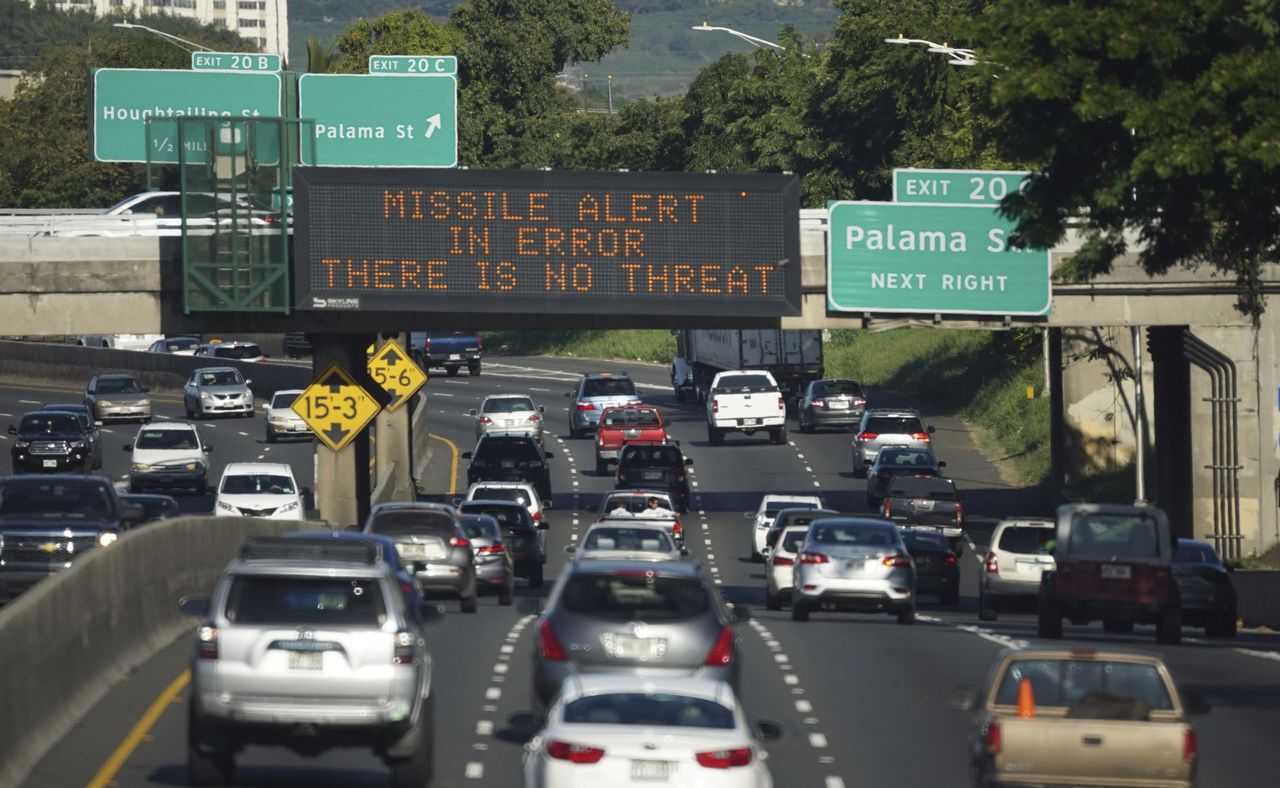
(814, 558)
(887, 508)
(479, 343)
(991, 741)
(959, 513)
(920, 436)
(403, 654)
(678, 530)
(715, 406)
(1190, 746)
(534, 418)
(782, 404)
(722, 652)
(859, 400)
(537, 517)
(586, 406)
(459, 541)
(549, 647)
(896, 560)
(951, 559)
(868, 436)
(725, 759)
(426, 344)
(573, 753)
(782, 561)
(818, 403)
(493, 549)
(486, 420)
(992, 564)
(207, 642)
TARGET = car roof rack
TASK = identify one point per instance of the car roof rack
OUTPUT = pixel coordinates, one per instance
(317, 550)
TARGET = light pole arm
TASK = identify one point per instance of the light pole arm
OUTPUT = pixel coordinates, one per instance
(750, 39)
(181, 43)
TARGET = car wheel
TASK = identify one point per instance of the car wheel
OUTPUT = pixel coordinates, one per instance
(602, 466)
(1049, 619)
(1116, 625)
(469, 604)
(1169, 626)
(573, 430)
(950, 598)
(859, 470)
(205, 767)
(416, 770)
(473, 370)
(799, 610)
(907, 615)
(190, 413)
(271, 435)
(451, 371)
(772, 601)
(778, 436)
(535, 576)
(802, 425)
(714, 436)
(1224, 626)
(988, 605)
(505, 598)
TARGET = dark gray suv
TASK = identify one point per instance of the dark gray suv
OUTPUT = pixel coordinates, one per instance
(432, 545)
(640, 618)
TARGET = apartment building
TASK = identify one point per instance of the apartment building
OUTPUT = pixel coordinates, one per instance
(263, 22)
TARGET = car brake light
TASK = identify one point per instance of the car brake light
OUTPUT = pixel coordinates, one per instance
(1190, 747)
(459, 541)
(888, 507)
(818, 403)
(859, 400)
(534, 418)
(715, 406)
(725, 759)
(537, 516)
(207, 642)
(573, 753)
(920, 436)
(868, 436)
(479, 343)
(782, 403)
(426, 343)
(991, 741)
(992, 564)
(722, 652)
(549, 647)
(486, 420)
(782, 561)
(493, 549)
(677, 529)
(896, 560)
(959, 513)
(403, 654)
(951, 559)
(814, 558)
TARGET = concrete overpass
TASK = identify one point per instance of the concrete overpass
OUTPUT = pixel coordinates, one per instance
(1210, 418)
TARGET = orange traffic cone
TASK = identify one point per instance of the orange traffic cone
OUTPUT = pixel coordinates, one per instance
(1026, 699)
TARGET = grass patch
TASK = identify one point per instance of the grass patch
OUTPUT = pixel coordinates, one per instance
(631, 345)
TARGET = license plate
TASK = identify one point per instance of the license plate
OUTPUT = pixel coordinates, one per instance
(652, 476)
(838, 405)
(1115, 572)
(624, 646)
(412, 551)
(306, 660)
(455, 356)
(631, 433)
(650, 770)
(923, 504)
(50, 463)
(750, 422)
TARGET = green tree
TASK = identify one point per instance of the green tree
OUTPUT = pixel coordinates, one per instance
(321, 59)
(1145, 116)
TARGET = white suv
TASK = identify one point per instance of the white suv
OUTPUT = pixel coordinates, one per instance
(259, 489)
(780, 565)
(166, 455)
(1012, 567)
(762, 518)
(521, 492)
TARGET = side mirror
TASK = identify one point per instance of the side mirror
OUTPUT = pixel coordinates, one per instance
(473, 413)
(570, 549)
(868, 463)
(1229, 567)
(97, 424)
(547, 505)
(542, 409)
(304, 491)
(684, 552)
(194, 606)
(929, 429)
(127, 447)
(748, 515)
(764, 551)
(248, 382)
(767, 730)
(688, 461)
(963, 697)
(530, 607)
(458, 501)
(942, 463)
(431, 613)
(741, 614)
(13, 430)
(639, 392)
(207, 448)
(548, 454)
(466, 455)
(1195, 702)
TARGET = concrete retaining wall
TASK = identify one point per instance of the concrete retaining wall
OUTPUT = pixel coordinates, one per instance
(70, 639)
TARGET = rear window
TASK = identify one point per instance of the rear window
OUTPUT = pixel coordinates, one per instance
(930, 487)
(745, 383)
(1114, 536)
(912, 458)
(636, 708)
(508, 405)
(793, 541)
(661, 456)
(507, 516)
(837, 388)
(257, 484)
(118, 386)
(608, 387)
(223, 377)
(70, 499)
(924, 540)
(402, 523)
(1195, 554)
(893, 425)
(237, 351)
(1064, 682)
(620, 538)
(293, 601)
(641, 595)
(521, 450)
(1023, 539)
(501, 494)
(632, 418)
(479, 526)
(166, 439)
(848, 535)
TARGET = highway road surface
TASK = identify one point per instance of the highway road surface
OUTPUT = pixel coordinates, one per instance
(862, 700)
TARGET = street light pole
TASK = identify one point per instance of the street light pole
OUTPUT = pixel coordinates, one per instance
(611, 94)
(959, 57)
(181, 43)
(750, 39)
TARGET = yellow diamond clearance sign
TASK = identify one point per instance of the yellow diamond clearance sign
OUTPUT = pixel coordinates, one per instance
(392, 368)
(336, 407)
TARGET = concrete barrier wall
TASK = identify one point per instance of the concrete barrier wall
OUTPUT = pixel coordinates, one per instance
(65, 643)
(1259, 598)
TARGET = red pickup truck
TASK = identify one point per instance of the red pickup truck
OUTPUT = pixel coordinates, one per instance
(624, 425)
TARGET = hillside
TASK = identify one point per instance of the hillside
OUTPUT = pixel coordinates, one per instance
(664, 55)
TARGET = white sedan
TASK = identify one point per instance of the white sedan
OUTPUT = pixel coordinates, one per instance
(616, 731)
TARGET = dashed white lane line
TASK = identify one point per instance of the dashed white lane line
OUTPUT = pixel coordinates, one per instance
(817, 740)
(493, 693)
(244, 434)
(985, 634)
(28, 402)
(475, 771)
(484, 728)
(833, 781)
(442, 394)
(804, 706)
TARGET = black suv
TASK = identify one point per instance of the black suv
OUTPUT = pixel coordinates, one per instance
(48, 441)
(510, 458)
(655, 468)
(528, 547)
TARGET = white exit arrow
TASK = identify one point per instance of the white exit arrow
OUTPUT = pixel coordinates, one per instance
(433, 124)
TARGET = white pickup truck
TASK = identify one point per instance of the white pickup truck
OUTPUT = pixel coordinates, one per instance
(746, 401)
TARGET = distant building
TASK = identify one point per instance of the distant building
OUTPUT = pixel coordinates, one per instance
(264, 23)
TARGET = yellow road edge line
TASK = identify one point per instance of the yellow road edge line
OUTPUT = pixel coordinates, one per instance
(453, 468)
(139, 731)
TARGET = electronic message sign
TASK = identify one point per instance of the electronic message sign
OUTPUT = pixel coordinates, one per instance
(546, 242)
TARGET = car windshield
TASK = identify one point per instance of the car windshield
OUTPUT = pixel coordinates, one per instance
(911, 458)
(257, 484)
(312, 601)
(930, 487)
(508, 405)
(775, 506)
(222, 377)
(237, 351)
(479, 526)
(118, 386)
(1025, 539)
(893, 425)
(608, 387)
(1114, 536)
(620, 538)
(157, 508)
(745, 383)
(174, 345)
(81, 414)
(519, 449)
(635, 595)
(837, 388)
(659, 456)
(507, 515)
(27, 498)
(846, 535)
(501, 494)
(1063, 682)
(926, 540)
(284, 400)
(632, 417)
(406, 523)
(49, 424)
(166, 439)
(653, 708)
(1192, 553)
(793, 541)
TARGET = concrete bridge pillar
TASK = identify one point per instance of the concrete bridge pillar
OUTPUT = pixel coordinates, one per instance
(342, 479)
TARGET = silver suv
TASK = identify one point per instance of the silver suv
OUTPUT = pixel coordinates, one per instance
(217, 390)
(595, 392)
(887, 427)
(309, 645)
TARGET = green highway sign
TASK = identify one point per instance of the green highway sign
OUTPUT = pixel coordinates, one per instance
(955, 187)
(931, 259)
(234, 61)
(372, 120)
(124, 99)
(413, 65)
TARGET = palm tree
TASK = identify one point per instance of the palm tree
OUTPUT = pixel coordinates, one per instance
(321, 59)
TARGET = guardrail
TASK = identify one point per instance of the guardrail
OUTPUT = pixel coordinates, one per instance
(75, 225)
(72, 637)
